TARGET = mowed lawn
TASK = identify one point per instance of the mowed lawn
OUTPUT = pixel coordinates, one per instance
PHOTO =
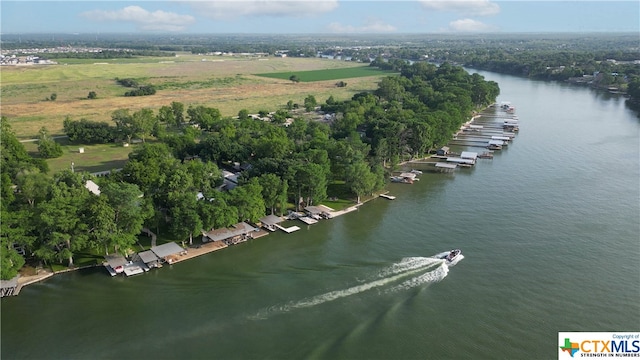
(225, 83)
(327, 74)
(95, 158)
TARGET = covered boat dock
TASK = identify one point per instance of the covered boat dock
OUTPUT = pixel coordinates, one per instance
(168, 252)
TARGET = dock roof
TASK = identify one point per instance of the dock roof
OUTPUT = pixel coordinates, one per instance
(148, 256)
(445, 165)
(496, 142)
(460, 160)
(167, 249)
(227, 233)
(115, 260)
(271, 220)
(314, 209)
(469, 155)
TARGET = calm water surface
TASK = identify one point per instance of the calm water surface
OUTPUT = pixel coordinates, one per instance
(549, 229)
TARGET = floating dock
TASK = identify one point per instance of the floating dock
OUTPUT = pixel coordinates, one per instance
(288, 230)
(389, 197)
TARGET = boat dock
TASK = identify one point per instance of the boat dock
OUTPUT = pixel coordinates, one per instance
(389, 197)
(288, 230)
(493, 129)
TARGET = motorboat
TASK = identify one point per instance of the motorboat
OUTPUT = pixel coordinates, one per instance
(452, 256)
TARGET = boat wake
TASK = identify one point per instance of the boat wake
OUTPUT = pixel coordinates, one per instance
(408, 273)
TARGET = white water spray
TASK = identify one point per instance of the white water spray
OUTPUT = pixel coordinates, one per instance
(418, 270)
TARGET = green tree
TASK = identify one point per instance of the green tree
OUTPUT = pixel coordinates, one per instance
(294, 78)
(47, 147)
(206, 118)
(124, 123)
(10, 260)
(16, 228)
(310, 103)
(61, 226)
(143, 123)
(92, 95)
(33, 187)
(178, 112)
(271, 190)
(247, 199)
(53, 97)
(185, 220)
(360, 179)
(167, 116)
(130, 210)
(243, 114)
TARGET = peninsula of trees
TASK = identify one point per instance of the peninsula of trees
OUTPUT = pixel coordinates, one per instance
(170, 182)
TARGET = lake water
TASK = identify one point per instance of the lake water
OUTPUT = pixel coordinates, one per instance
(549, 229)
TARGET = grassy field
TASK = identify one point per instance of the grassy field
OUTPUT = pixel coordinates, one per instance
(326, 74)
(101, 157)
(226, 83)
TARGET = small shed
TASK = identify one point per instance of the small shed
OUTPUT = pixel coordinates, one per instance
(443, 151)
(93, 187)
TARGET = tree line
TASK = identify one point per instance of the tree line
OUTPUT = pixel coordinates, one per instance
(173, 183)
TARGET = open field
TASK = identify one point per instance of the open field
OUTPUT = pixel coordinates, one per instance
(326, 74)
(225, 83)
(97, 157)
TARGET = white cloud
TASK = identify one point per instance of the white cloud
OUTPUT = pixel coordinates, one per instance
(370, 26)
(222, 10)
(470, 25)
(466, 7)
(145, 20)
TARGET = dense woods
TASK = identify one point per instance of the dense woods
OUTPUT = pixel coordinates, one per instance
(173, 183)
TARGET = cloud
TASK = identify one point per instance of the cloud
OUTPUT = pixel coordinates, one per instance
(370, 26)
(465, 7)
(470, 25)
(149, 21)
(222, 10)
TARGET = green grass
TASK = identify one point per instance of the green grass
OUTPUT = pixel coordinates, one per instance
(327, 74)
(200, 84)
(99, 157)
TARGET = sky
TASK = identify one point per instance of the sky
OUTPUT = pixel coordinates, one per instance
(319, 16)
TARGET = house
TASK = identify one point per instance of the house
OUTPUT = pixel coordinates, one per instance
(229, 180)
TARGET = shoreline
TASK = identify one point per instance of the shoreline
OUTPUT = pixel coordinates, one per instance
(192, 251)
(209, 247)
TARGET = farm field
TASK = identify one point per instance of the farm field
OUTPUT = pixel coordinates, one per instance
(226, 83)
(327, 74)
